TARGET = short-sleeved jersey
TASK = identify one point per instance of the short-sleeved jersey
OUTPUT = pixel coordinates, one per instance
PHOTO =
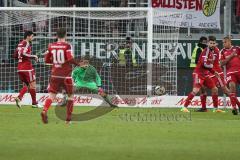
(234, 64)
(216, 60)
(23, 54)
(205, 63)
(59, 55)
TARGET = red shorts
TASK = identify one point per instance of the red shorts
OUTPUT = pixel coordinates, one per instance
(233, 77)
(27, 76)
(220, 82)
(57, 84)
(200, 81)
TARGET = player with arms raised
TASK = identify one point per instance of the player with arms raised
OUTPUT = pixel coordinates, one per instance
(60, 55)
(230, 57)
(25, 69)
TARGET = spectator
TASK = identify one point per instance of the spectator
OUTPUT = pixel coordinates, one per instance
(104, 3)
(43, 2)
(23, 1)
(32, 2)
(124, 3)
(1, 3)
(27, 26)
(71, 3)
(197, 51)
(125, 56)
(94, 3)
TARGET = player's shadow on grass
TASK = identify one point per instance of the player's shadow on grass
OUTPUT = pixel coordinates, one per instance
(86, 116)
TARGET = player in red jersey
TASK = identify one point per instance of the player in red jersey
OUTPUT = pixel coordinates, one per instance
(60, 55)
(201, 75)
(25, 69)
(219, 81)
(230, 58)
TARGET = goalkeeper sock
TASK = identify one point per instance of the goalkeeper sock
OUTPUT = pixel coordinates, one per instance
(22, 92)
(106, 98)
(215, 101)
(189, 99)
(233, 100)
(33, 95)
(69, 110)
(47, 104)
(203, 98)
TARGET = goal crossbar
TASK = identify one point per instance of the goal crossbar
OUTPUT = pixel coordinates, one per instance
(72, 9)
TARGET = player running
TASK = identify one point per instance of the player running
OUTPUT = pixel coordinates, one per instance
(60, 55)
(230, 58)
(201, 76)
(25, 69)
(86, 76)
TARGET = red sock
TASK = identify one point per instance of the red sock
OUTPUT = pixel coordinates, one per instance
(203, 98)
(69, 110)
(215, 101)
(22, 92)
(237, 102)
(47, 104)
(33, 95)
(233, 100)
(189, 98)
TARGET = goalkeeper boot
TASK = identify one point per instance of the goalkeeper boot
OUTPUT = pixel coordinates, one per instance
(202, 110)
(44, 117)
(18, 102)
(185, 110)
(216, 110)
(235, 112)
(109, 102)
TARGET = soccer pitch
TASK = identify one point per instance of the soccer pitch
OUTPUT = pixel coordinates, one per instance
(124, 134)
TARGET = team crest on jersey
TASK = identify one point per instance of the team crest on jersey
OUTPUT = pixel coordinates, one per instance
(209, 7)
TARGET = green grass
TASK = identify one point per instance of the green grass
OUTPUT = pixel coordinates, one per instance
(119, 137)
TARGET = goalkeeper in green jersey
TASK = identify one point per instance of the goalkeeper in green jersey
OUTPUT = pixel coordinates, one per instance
(86, 76)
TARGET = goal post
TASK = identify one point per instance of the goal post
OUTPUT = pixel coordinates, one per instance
(132, 53)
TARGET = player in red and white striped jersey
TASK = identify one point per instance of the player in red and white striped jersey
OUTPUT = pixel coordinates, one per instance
(25, 69)
(230, 57)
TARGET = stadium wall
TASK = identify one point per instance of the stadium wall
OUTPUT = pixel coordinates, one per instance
(123, 101)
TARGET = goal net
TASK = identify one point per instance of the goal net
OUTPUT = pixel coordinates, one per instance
(117, 40)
